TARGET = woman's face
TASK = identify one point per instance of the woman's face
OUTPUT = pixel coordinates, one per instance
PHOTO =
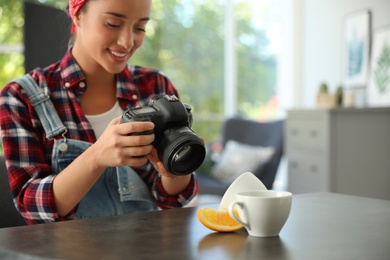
(109, 32)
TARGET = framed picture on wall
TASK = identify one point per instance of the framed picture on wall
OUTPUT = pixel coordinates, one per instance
(379, 84)
(356, 48)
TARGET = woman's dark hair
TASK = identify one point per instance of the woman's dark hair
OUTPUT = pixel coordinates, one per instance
(73, 35)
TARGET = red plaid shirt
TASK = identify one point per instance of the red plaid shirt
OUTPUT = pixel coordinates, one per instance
(28, 152)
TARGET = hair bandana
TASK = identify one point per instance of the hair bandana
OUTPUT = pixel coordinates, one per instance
(74, 7)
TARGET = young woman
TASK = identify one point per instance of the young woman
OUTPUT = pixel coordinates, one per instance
(82, 163)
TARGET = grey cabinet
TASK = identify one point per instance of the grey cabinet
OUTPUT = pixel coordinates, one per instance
(339, 150)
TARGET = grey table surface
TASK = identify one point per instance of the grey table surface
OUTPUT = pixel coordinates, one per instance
(320, 226)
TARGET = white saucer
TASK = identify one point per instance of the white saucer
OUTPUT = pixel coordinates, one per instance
(246, 181)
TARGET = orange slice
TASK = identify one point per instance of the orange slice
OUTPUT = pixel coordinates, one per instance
(218, 220)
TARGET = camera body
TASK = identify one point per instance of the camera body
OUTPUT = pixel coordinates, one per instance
(178, 147)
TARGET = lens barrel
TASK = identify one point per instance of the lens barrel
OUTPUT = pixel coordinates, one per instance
(181, 150)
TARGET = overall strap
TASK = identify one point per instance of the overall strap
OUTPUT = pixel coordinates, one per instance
(40, 100)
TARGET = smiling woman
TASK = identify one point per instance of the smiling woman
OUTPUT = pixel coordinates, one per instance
(63, 166)
(109, 38)
(185, 40)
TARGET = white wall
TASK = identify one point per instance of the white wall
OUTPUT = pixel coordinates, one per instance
(318, 42)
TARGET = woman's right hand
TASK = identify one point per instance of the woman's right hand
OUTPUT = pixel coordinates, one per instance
(116, 147)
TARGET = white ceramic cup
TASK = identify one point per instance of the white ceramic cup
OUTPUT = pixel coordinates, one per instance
(263, 213)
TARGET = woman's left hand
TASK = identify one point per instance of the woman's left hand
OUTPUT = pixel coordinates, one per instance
(173, 184)
(158, 165)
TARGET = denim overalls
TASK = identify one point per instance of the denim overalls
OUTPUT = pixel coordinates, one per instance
(119, 190)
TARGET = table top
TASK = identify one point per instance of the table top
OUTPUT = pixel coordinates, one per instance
(320, 226)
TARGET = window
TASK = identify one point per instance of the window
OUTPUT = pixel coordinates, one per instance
(222, 55)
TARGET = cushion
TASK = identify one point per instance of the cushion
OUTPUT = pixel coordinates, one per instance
(237, 158)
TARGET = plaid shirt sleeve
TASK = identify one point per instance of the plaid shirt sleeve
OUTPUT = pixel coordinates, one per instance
(164, 201)
(29, 174)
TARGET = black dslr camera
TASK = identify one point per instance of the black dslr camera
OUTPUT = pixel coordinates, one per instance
(178, 147)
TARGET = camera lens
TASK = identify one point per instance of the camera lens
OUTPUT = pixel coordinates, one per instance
(183, 154)
(181, 151)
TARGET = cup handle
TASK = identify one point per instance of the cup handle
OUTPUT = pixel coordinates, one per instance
(236, 218)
